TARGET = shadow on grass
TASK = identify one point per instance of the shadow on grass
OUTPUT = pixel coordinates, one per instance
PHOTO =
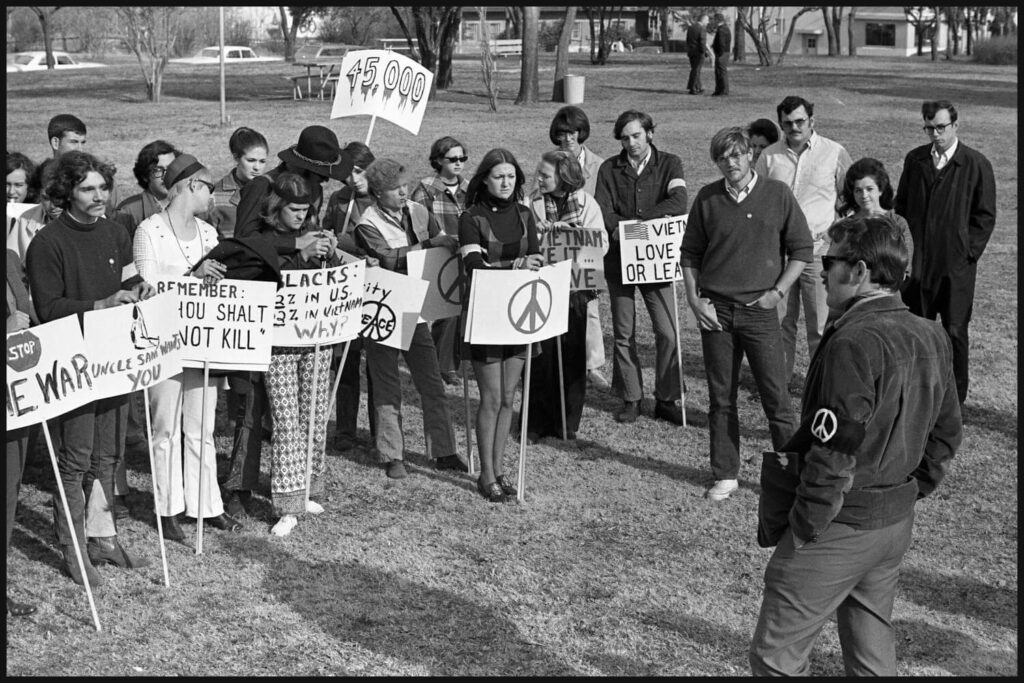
(403, 621)
(993, 420)
(926, 645)
(960, 595)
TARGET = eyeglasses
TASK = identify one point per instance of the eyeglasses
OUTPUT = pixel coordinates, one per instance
(456, 160)
(158, 171)
(735, 156)
(795, 123)
(828, 261)
(209, 185)
(940, 129)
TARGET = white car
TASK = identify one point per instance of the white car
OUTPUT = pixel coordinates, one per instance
(36, 61)
(233, 54)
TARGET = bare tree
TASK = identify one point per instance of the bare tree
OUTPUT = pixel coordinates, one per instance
(562, 54)
(436, 30)
(758, 32)
(301, 17)
(354, 25)
(529, 88)
(150, 33)
(833, 26)
(851, 48)
(599, 46)
(790, 31)
(922, 23)
(514, 19)
(45, 15)
(487, 60)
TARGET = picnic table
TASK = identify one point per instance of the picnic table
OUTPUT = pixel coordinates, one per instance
(323, 65)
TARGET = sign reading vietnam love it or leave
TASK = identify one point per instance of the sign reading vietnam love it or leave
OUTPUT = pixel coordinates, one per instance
(385, 84)
(319, 305)
(649, 250)
(585, 247)
(133, 346)
(391, 307)
(446, 280)
(228, 324)
(518, 306)
(47, 372)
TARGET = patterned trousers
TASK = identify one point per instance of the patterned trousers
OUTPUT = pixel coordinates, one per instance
(292, 394)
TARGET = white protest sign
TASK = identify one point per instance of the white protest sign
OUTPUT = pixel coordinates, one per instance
(650, 250)
(228, 323)
(446, 281)
(47, 372)
(319, 306)
(385, 84)
(15, 209)
(391, 307)
(133, 346)
(518, 306)
(585, 247)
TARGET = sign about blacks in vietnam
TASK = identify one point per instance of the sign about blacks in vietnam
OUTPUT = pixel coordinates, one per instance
(228, 323)
(319, 306)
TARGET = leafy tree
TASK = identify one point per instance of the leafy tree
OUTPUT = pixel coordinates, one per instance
(150, 33)
(436, 30)
(528, 82)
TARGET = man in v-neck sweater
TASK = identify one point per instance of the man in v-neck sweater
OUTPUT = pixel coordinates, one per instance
(739, 234)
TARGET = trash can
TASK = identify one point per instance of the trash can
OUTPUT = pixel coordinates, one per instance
(573, 88)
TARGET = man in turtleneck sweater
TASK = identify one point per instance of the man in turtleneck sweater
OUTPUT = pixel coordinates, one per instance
(80, 262)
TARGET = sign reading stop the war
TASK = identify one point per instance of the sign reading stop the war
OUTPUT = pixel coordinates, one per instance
(446, 281)
(385, 84)
(391, 307)
(650, 250)
(48, 373)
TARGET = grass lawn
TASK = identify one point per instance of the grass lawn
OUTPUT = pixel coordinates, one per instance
(615, 564)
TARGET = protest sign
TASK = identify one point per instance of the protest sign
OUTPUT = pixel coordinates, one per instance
(133, 346)
(585, 247)
(385, 84)
(391, 307)
(228, 323)
(319, 306)
(446, 281)
(47, 372)
(15, 209)
(650, 250)
(518, 306)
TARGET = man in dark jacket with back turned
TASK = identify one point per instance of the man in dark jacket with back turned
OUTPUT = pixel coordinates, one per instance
(721, 46)
(696, 50)
(947, 193)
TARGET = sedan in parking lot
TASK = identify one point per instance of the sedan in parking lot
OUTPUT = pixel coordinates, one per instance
(36, 61)
(233, 54)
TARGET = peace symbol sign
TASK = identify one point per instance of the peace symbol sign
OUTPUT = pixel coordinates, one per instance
(530, 306)
(825, 424)
(451, 280)
(378, 321)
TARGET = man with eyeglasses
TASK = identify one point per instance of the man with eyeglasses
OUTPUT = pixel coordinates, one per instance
(880, 423)
(813, 167)
(149, 169)
(947, 193)
(738, 234)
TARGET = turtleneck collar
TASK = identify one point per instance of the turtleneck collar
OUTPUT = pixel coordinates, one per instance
(497, 203)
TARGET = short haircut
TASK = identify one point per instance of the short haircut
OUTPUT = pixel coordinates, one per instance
(865, 168)
(149, 157)
(441, 147)
(632, 115)
(878, 242)
(383, 175)
(289, 188)
(64, 123)
(70, 170)
(360, 153)
(570, 119)
(931, 107)
(477, 190)
(727, 139)
(244, 139)
(719, 17)
(567, 169)
(791, 103)
(766, 128)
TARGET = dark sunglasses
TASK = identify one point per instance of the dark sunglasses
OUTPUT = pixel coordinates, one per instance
(456, 160)
(209, 186)
(828, 261)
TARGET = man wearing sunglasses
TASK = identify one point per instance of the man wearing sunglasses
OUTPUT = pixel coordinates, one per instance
(814, 167)
(947, 192)
(880, 423)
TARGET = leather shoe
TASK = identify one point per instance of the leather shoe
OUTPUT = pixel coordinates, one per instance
(491, 492)
(396, 470)
(506, 485)
(19, 609)
(172, 528)
(109, 549)
(225, 522)
(450, 462)
(120, 507)
(669, 411)
(237, 502)
(71, 568)
(630, 411)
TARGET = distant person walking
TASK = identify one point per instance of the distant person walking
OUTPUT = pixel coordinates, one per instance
(721, 46)
(696, 51)
(947, 193)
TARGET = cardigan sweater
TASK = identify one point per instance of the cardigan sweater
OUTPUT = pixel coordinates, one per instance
(740, 248)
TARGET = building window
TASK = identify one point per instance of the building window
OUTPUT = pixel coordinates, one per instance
(812, 43)
(880, 34)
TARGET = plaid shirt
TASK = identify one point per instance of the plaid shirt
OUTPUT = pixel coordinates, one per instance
(446, 205)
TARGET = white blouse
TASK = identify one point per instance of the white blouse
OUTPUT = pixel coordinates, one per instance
(159, 253)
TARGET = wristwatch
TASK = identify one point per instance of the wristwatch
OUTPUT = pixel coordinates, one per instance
(782, 295)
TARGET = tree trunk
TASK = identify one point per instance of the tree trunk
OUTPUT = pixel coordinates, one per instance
(593, 35)
(935, 32)
(529, 88)
(789, 33)
(739, 43)
(851, 44)
(450, 24)
(487, 60)
(764, 56)
(837, 29)
(830, 31)
(663, 15)
(286, 35)
(562, 54)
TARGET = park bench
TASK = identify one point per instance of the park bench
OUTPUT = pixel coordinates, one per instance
(505, 47)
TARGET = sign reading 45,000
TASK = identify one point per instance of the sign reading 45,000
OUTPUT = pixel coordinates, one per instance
(383, 83)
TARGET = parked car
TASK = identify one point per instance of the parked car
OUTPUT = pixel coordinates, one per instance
(321, 53)
(36, 61)
(233, 54)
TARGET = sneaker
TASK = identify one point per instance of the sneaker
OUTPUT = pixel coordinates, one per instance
(596, 379)
(284, 525)
(450, 462)
(313, 507)
(722, 489)
(396, 470)
(630, 411)
(670, 411)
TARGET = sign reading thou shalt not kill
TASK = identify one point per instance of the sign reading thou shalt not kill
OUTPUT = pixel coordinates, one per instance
(228, 324)
(649, 250)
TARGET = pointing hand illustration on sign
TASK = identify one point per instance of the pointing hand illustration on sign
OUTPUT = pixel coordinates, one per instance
(140, 336)
(530, 306)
